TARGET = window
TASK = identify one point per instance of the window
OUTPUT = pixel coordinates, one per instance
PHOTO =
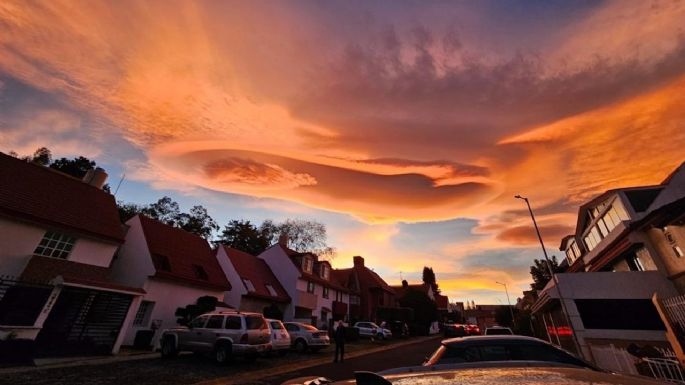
(292, 328)
(325, 292)
(271, 290)
(55, 245)
(215, 322)
(276, 325)
(307, 265)
(255, 322)
(234, 322)
(325, 272)
(143, 314)
(200, 272)
(678, 251)
(161, 262)
(198, 322)
(634, 263)
(310, 287)
(338, 296)
(354, 300)
(619, 314)
(248, 285)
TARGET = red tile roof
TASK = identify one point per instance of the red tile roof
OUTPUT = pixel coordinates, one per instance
(400, 290)
(44, 196)
(368, 279)
(175, 252)
(258, 272)
(45, 269)
(294, 255)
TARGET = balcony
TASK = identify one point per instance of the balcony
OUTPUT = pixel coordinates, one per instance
(306, 300)
(339, 309)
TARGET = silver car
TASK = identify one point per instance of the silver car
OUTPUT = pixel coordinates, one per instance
(280, 339)
(222, 334)
(306, 337)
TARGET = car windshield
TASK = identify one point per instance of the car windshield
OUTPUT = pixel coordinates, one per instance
(255, 322)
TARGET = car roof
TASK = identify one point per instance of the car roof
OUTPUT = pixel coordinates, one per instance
(513, 375)
(492, 339)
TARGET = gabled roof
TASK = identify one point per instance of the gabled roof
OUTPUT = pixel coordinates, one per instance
(641, 199)
(368, 279)
(44, 269)
(342, 279)
(176, 254)
(258, 272)
(441, 301)
(296, 255)
(401, 290)
(41, 195)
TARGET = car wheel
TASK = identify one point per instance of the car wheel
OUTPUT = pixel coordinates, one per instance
(222, 353)
(380, 336)
(300, 346)
(168, 348)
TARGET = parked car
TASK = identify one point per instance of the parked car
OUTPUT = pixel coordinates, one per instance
(454, 330)
(498, 331)
(223, 334)
(280, 339)
(501, 348)
(503, 374)
(371, 330)
(472, 330)
(306, 337)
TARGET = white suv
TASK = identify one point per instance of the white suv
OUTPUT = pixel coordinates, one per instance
(223, 334)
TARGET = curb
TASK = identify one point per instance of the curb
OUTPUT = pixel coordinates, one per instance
(240, 378)
(80, 362)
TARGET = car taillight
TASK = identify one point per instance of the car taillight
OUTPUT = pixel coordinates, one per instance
(243, 339)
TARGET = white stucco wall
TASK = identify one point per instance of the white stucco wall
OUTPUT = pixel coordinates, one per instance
(167, 296)
(232, 297)
(286, 273)
(133, 265)
(19, 240)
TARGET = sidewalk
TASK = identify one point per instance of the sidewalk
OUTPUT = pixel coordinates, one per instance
(66, 362)
(253, 375)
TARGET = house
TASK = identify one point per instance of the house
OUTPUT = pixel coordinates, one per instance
(373, 291)
(173, 266)
(59, 237)
(401, 291)
(307, 280)
(255, 287)
(627, 246)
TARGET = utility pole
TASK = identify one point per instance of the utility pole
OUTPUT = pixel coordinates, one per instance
(554, 277)
(511, 310)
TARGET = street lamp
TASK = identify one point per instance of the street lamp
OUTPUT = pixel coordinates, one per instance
(511, 310)
(551, 273)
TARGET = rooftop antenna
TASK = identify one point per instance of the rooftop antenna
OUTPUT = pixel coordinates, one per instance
(123, 176)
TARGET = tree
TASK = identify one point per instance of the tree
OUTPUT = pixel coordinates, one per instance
(198, 221)
(503, 315)
(128, 210)
(540, 272)
(304, 236)
(243, 235)
(429, 278)
(165, 210)
(425, 310)
(76, 167)
(201, 306)
(42, 156)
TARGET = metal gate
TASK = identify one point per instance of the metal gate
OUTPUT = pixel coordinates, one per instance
(83, 321)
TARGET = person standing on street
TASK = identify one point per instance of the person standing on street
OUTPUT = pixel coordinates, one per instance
(339, 339)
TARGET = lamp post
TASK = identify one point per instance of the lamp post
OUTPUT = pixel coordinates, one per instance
(511, 310)
(552, 274)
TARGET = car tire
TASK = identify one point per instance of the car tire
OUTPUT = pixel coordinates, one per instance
(301, 346)
(222, 353)
(168, 348)
(380, 336)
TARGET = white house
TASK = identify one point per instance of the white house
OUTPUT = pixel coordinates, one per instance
(58, 237)
(173, 266)
(255, 287)
(315, 297)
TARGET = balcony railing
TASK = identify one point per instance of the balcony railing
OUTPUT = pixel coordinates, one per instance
(307, 300)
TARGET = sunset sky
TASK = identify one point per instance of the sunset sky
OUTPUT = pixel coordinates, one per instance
(405, 126)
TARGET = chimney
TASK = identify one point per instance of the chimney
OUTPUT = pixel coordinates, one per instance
(283, 240)
(95, 177)
(358, 261)
(405, 284)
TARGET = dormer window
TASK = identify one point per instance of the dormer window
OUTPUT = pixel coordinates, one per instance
(271, 290)
(307, 265)
(161, 262)
(325, 271)
(248, 285)
(55, 245)
(200, 272)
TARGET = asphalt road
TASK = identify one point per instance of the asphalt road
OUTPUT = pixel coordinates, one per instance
(401, 356)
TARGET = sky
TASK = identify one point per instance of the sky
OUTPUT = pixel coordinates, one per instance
(406, 127)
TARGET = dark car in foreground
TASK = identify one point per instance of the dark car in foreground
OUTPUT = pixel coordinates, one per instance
(498, 349)
(551, 374)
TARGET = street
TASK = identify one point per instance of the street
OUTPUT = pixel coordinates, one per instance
(190, 369)
(403, 356)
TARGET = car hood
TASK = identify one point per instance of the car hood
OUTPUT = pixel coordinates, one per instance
(500, 376)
